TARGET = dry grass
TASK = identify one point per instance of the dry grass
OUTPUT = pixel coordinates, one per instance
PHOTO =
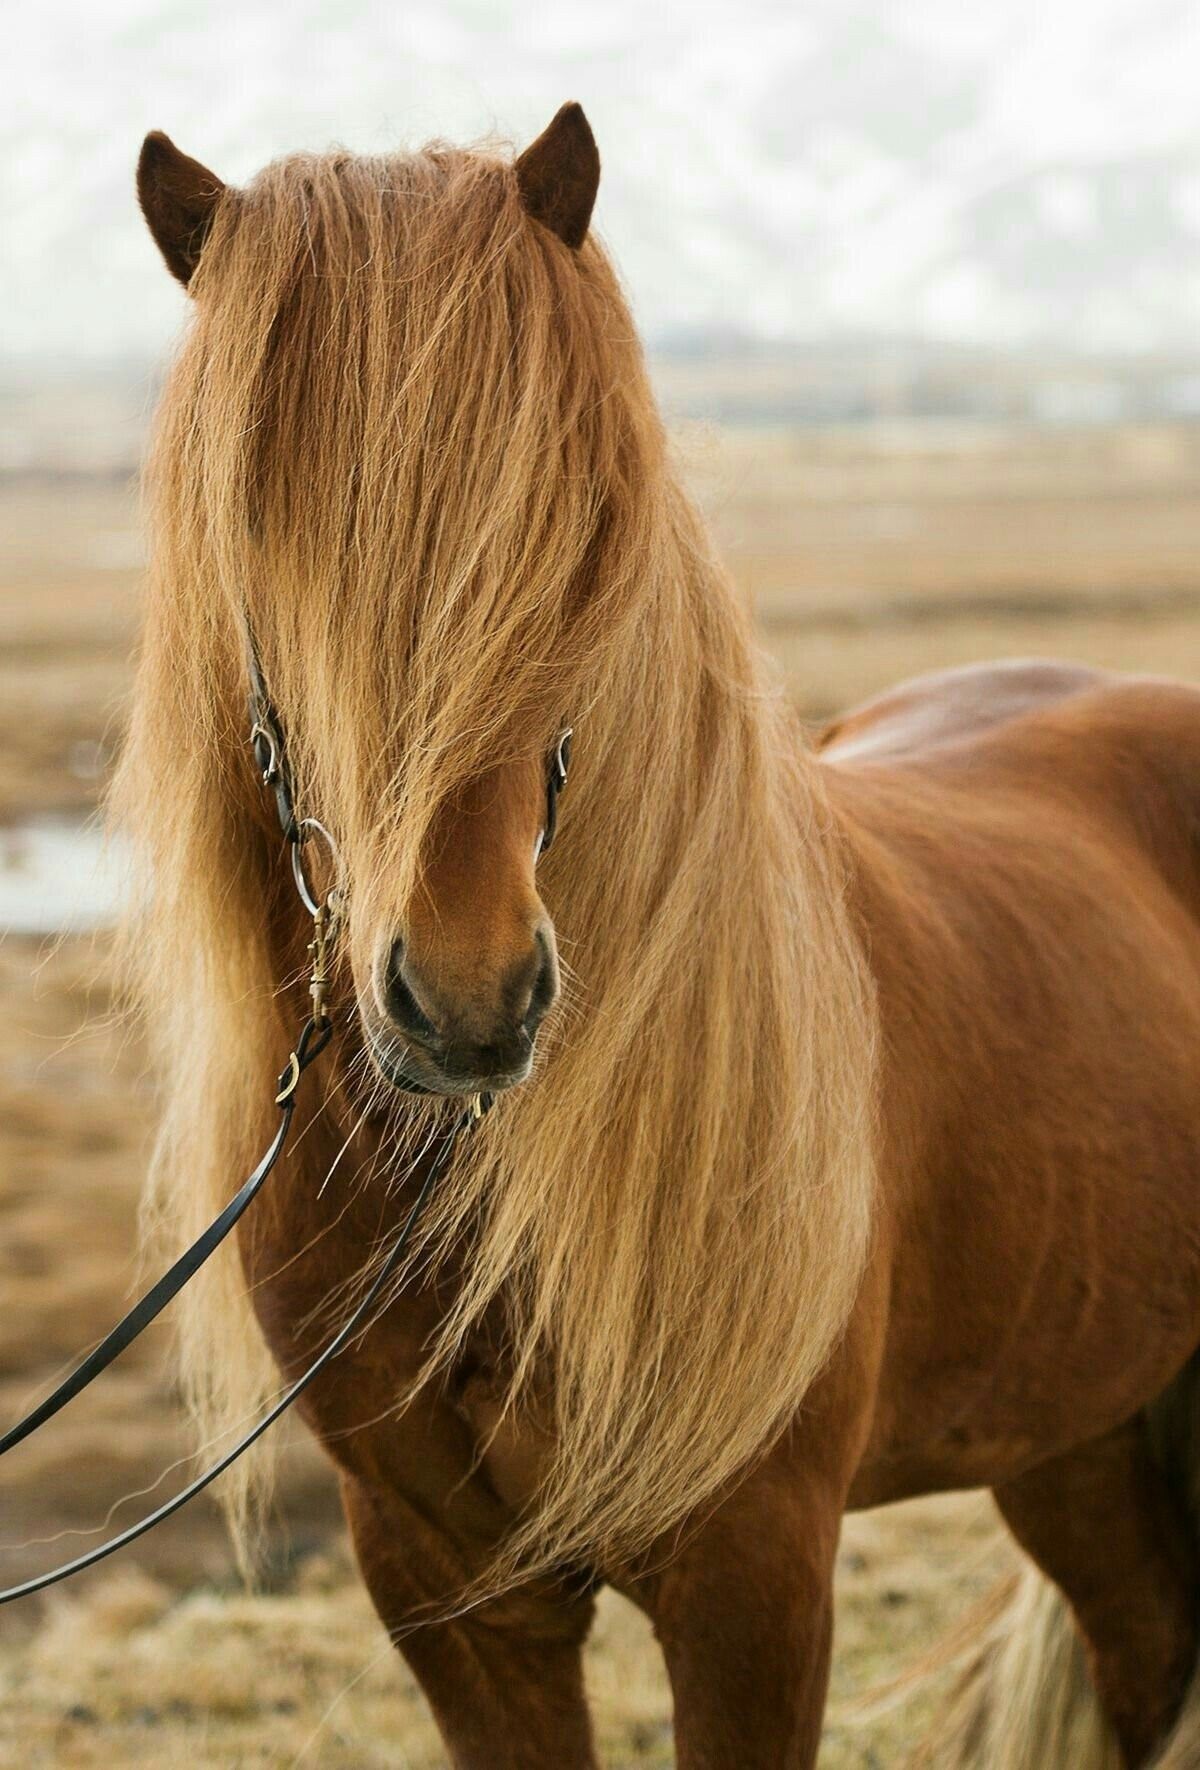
(138, 1673)
(871, 556)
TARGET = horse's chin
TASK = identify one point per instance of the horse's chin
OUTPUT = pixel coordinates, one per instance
(410, 1072)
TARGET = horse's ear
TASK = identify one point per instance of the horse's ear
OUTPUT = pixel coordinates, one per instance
(179, 197)
(558, 175)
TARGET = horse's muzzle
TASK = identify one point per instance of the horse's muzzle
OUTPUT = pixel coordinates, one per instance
(438, 1041)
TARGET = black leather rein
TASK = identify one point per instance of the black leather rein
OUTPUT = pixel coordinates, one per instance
(310, 1045)
(267, 740)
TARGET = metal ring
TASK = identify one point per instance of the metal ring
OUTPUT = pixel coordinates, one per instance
(270, 773)
(307, 896)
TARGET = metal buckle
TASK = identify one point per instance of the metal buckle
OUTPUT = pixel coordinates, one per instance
(288, 1080)
(326, 913)
(562, 757)
(265, 734)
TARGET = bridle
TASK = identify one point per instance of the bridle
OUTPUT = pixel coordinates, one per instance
(327, 912)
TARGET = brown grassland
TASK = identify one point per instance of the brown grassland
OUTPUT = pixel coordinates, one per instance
(870, 555)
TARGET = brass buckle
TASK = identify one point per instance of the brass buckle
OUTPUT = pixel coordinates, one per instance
(289, 1080)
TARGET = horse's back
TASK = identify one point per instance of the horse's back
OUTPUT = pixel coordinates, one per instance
(951, 706)
(1039, 738)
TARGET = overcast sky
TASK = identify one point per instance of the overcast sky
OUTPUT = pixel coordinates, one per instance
(995, 171)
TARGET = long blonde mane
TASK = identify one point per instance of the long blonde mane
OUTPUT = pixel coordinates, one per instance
(410, 434)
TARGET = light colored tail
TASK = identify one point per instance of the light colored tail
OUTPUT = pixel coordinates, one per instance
(1025, 1700)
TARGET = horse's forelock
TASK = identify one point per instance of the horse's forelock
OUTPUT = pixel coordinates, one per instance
(412, 433)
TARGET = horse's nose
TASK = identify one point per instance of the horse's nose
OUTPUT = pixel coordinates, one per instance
(403, 1004)
(473, 1027)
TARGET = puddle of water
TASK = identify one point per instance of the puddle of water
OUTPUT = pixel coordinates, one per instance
(57, 876)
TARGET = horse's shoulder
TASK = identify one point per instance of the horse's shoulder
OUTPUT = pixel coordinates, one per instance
(951, 707)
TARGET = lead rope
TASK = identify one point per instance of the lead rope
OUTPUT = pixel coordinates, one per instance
(360, 1318)
(315, 1034)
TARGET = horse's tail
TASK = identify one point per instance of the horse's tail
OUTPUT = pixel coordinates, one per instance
(1025, 1700)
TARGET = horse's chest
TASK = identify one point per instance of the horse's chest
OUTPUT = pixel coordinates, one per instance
(513, 1444)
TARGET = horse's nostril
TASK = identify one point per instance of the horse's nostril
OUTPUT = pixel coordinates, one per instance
(402, 1004)
(545, 984)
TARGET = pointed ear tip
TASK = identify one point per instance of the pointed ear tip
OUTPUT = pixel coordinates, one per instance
(156, 150)
(573, 113)
(569, 123)
(161, 163)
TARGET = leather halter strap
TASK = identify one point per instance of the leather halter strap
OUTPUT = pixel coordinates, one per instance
(266, 739)
(556, 780)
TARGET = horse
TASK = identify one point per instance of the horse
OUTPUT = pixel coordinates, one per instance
(846, 1142)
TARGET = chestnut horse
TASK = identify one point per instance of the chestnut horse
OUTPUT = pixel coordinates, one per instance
(860, 1156)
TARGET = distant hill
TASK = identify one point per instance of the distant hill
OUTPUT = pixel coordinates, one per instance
(69, 418)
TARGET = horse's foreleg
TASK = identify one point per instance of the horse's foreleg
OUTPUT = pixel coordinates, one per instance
(744, 1614)
(1099, 1522)
(504, 1681)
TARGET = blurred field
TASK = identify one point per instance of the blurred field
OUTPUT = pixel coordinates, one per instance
(870, 554)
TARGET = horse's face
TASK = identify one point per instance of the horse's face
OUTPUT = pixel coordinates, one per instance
(461, 979)
(455, 507)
